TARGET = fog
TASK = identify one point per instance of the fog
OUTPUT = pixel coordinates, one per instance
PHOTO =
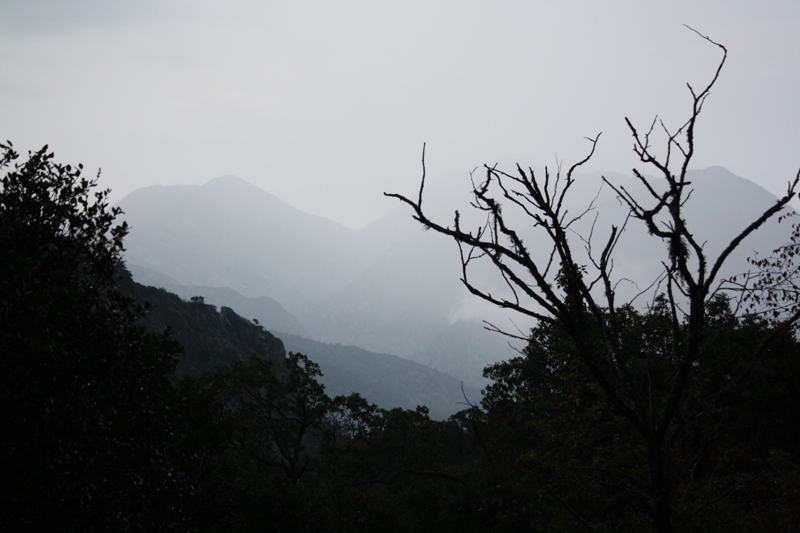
(327, 105)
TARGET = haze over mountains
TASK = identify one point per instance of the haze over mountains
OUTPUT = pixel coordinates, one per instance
(214, 338)
(390, 287)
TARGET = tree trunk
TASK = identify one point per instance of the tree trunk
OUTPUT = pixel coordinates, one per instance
(660, 493)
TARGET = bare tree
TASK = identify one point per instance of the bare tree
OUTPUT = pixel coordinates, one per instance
(576, 297)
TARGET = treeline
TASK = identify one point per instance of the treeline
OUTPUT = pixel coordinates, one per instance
(98, 433)
(543, 451)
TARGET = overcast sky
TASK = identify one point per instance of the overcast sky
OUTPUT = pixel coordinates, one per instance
(327, 104)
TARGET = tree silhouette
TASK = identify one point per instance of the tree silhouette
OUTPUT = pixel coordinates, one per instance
(652, 396)
(84, 392)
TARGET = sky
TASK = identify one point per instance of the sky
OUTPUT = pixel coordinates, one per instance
(327, 104)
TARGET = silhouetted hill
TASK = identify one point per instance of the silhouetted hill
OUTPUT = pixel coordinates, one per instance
(265, 310)
(384, 379)
(213, 338)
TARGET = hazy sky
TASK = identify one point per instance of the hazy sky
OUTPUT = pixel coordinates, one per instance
(327, 104)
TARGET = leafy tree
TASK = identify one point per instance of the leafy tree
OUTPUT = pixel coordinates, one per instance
(648, 397)
(85, 393)
(274, 420)
(281, 455)
(733, 446)
(280, 410)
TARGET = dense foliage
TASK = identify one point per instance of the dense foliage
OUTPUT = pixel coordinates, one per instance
(84, 392)
(733, 451)
(543, 452)
(98, 434)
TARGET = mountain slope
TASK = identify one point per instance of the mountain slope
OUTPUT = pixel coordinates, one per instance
(264, 310)
(211, 338)
(214, 339)
(384, 379)
(228, 233)
(392, 288)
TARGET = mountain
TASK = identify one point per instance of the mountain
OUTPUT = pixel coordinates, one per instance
(214, 338)
(264, 310)
(720, 207)
(391, 287)
(464, 348)
(228, 233)
(344, 286)
(211, 338)
(386, 380)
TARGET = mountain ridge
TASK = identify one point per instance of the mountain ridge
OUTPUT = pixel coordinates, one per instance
(214, 338)
(392, 288)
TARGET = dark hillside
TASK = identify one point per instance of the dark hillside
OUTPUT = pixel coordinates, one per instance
(386, 380)
(211, 338)
(214, 338)
(263, 309)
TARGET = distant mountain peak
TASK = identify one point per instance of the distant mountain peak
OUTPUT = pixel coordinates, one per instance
(715, 169)
(231, 183)
(228, 179)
